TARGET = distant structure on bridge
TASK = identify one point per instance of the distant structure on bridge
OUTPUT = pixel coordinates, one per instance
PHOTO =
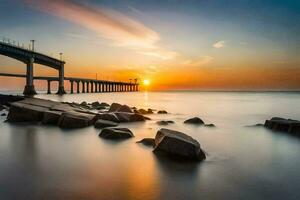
(29, 57)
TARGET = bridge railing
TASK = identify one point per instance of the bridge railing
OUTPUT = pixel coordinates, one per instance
(14, 43)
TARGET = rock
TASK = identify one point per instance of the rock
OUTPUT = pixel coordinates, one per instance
(3, 114)
(95, 104)
(83, 103)
(114, 107)
(6, 99)
(210, 125)
(108, 116)
(194, 120)
(150, 111)
(51, 117)
(1, 107)
(116, 133)
(177, 145)
(129, 117)
(164, 123)
(256, 125)
(124, 108)
(22, 112)
(284, 125)
(142, 111)
(105, 123)
(147, 141)
(104, 104)
(75, 120)
(162, 112)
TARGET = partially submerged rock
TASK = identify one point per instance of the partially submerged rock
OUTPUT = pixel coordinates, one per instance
(210, 125)
(116, 133)
(129, 117)
(147, 141)
(162, 112)
(3, 114)
(114, 107)
(177, 145)
(51, 117)
(144, 112)
(194, 120)
(165, 122)
(284, 125)
(75, 120)
(124, 108)
(105, 123)
(108, 116)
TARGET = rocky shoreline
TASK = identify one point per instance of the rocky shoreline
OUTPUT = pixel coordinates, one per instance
(167, 143)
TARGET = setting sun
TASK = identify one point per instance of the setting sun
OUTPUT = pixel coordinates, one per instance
(146, 82)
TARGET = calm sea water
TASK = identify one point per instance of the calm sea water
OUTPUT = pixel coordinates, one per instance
(40, 162)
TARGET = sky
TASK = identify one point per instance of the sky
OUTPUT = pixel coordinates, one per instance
(175, 44)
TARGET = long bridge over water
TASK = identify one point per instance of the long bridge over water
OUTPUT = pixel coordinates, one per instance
(29, 57)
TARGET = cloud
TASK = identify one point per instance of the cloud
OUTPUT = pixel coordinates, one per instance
(159, 53)
(108, 23)
(202, 60)
(219, 44)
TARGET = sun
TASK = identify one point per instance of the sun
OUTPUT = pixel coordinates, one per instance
(146, 82)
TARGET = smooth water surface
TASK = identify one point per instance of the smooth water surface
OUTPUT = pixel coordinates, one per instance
(45, 162)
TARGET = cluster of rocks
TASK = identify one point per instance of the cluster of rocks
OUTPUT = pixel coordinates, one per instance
(197, 121)
(175, 145)
(70, 115)
(285, 125)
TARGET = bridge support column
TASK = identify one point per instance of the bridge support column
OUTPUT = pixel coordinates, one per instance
(92, 87)
(72, 84)
(78, 82)
(48, 87)
(83, 87)
(87, 87)
(29, 87)
(61, 88)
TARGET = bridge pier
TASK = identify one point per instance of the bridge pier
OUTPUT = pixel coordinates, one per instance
(61, 88)
(83, 86)
(48, 87)
(72, 84)
(29, 87)
(87, 87)
(92, 87)
(77, 83)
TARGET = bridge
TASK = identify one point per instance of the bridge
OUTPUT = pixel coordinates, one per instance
(29, 57)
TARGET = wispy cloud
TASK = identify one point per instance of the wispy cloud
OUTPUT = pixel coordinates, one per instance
(202, 60)
(162, 54)
(219, 44)
(108, 23)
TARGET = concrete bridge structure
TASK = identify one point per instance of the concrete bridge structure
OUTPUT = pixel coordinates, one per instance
(29, 57)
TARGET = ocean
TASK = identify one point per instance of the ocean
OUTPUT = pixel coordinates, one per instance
(46, 162)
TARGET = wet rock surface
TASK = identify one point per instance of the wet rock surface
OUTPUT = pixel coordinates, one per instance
(105, 123)
(147, 141)
(116, 133)
(165, 122)
(284, 125)
(70, 120)
(194, 120)
(177, 145)
(162, 112)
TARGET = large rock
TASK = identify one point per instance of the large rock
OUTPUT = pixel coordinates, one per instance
(22, 112)
(114, 107)
(129, 117)
(194, 120)
(108, 116)
(285, 125)
(162, 112)
(75, 120)
(105, 123)
(116, 133)
(51, 117)
(177, 145)
(125, 108)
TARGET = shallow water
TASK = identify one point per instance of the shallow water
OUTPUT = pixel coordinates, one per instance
(44, 162)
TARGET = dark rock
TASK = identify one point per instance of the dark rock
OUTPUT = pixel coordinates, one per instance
(75, 120)
(1, 107)
(104, 104)
(124, 108)
(116, 133)
(129, 117)
(114, 107)
(284, 125)
(210, 125)
(150, 111)
(256, 125)
(108, 116)
(51, 117)
(83, 103)
(162, 112)
(142, 111)
(105, 123)
(6, 99)
(194, 120)
(164, 123)
(3, 114)
(147, 141)
(177, 145)
(22, 112)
